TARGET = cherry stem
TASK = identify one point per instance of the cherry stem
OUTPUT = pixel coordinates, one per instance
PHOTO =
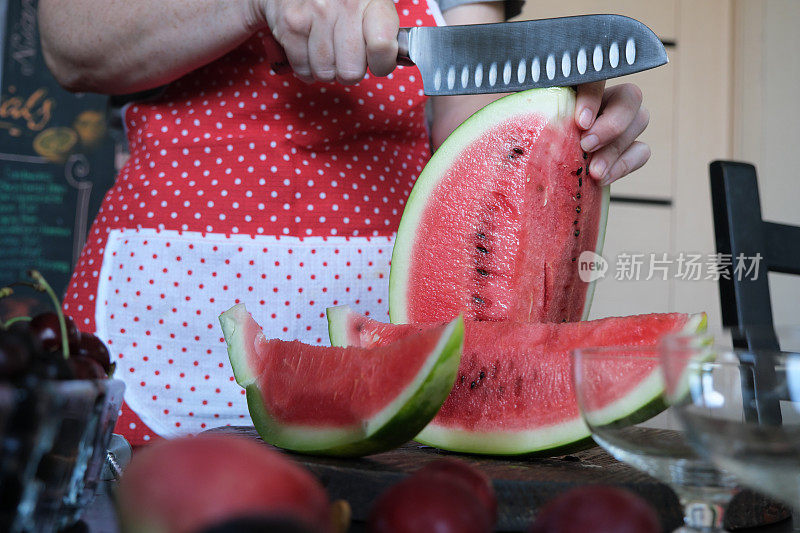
(12, 321)
(40, 284)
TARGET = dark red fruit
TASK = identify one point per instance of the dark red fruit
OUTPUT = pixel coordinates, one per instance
(91, 346)
(20, 327)
(192, 483)
(429, 503)
(599, 509)
(51, 366)
(15, 354)
(46, 332)
(86, 368)
(474, 480)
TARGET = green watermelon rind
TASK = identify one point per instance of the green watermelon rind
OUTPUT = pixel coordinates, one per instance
(394, 425)
(643, 403)
(337, 324)
(235, 341)
(704, 343)
(552, 103)
(629, 408)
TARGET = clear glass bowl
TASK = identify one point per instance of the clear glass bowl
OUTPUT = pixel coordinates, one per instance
(741, 407)
(622, 420)
(53, 440)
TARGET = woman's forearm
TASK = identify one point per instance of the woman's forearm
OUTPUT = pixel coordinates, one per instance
(124, 46)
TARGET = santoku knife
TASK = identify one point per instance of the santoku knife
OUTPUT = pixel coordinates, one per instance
(514, 56)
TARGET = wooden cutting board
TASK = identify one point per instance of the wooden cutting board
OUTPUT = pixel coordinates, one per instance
(522, 485)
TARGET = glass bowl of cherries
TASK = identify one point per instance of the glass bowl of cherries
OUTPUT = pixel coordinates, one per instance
(58, 408)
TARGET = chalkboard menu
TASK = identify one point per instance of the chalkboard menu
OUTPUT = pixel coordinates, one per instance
(56, 162)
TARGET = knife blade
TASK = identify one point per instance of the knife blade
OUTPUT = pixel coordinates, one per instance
(514, 56)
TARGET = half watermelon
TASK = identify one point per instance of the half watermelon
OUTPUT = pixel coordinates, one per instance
(341, 401)
(514, 391)
(496, 221)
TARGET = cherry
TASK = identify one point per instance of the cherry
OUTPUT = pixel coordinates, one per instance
(429, 503)
(91, 346)
(84, 367)
(51, 366)
(475, 480)
(46, 332)
(20, 327)
(15, 354)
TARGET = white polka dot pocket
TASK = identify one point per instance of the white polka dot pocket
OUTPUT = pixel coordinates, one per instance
(160, 294)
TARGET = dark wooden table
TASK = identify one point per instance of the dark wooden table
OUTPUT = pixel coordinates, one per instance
(522, 485)
(100, 517)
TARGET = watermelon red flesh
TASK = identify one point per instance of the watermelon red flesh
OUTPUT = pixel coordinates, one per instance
(527, 371)
(499, 220)
(318, 385)
(516, 378)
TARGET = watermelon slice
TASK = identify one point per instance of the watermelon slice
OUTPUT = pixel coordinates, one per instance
(341, 401)
(514, 391)
(496, 221)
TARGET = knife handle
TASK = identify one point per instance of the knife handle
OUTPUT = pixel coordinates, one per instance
(403, 57)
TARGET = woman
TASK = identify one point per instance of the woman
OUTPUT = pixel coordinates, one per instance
(250, 179)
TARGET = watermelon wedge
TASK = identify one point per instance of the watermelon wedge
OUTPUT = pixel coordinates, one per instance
(341, 401)
(514, 393)
(498, 218)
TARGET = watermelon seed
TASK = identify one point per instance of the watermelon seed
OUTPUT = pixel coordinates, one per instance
(578, 196)
(463, 378)
(577, 232)
(481, 235)
(578, 172)
(580, 181)
(573, 259)
(483, 272)
(515, 152)
(477, 299)
(482, 250)
(585, 155)
(481, 375)
(574, 222)
(578, 209)
(473, 385)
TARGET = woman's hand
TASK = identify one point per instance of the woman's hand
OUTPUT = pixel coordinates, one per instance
(327, 40)
(612, 120)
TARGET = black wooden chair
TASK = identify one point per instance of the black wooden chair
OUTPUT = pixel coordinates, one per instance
(741, 232)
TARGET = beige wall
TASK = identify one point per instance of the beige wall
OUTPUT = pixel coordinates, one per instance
(766, 112)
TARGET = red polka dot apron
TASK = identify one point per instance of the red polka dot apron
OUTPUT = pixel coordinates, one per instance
(244, 185)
